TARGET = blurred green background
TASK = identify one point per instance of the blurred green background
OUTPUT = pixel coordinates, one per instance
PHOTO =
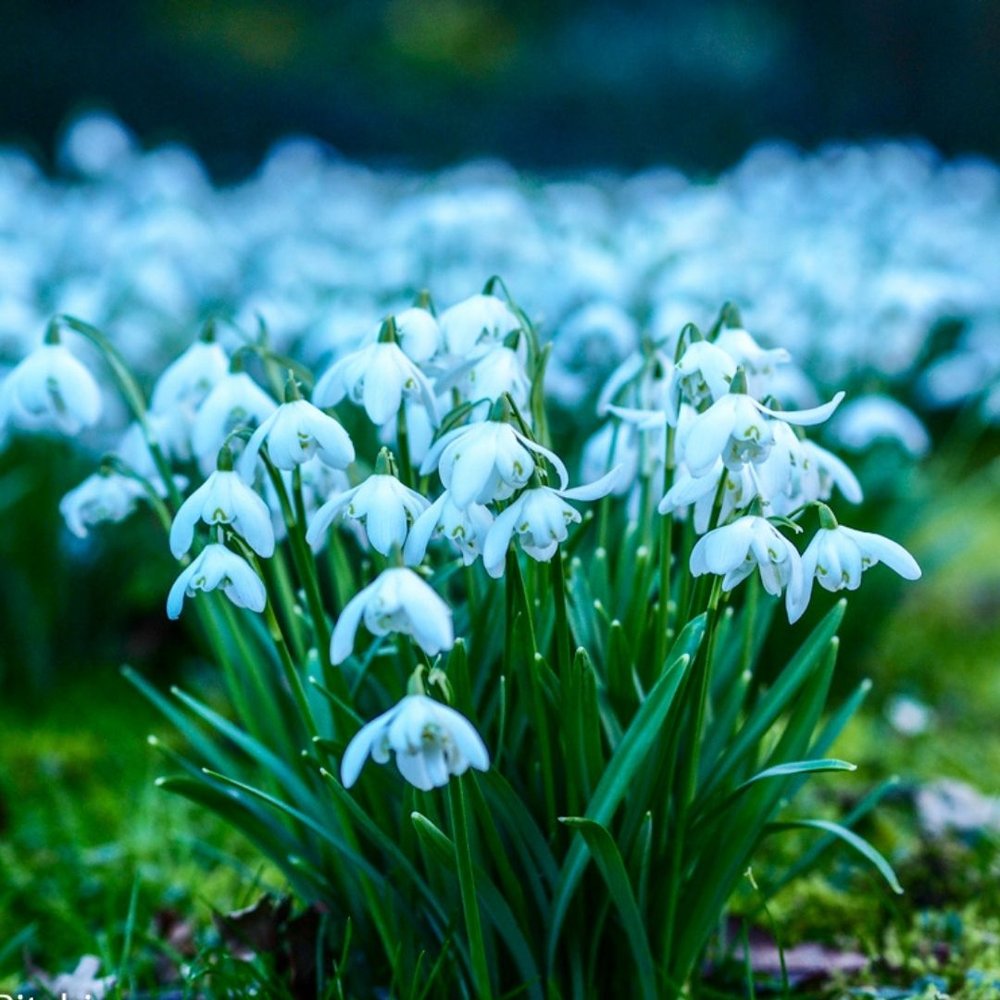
(553, 85)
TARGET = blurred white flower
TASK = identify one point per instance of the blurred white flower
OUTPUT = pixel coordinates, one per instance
(397, 601)
(486, 461)
(294, 433)
(477, 320)
(878, 418)
(104, 496)
(431, 742)
(381, 503)
(235, 401)
(224, 498)
(213, 568)
(50, 390)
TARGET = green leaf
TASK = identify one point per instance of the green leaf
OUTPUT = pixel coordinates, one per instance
(629, 756)
(609, 860)
(849, 837)
(492, 900)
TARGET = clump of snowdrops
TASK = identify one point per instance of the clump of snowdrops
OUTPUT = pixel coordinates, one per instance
(510, 727)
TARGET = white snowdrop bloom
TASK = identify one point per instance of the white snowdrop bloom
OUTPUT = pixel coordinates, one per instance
(649, 377)
(397, 601)
(750, 542)
(431, 742)
(419, 334)
(541, 517)
(224, 498)
(104, 496)
(737, 429)
(739, 490)
(878, 418)
(837, 556)
(465, 527)
(233, 402)
(613, 444)
(748, 354)
(50, 390)
(500, 370)
(294, 433)
(486, 461)
(216, 567)
(822, 471)
(703, 375)
(181, 389)
(377, 377)
(420, 427)
(475, 321)
(381, 503)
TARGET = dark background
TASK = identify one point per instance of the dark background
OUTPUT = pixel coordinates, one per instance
(549, 85)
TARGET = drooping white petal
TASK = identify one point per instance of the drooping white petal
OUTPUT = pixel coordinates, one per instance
(878, 548)
(804, 418)
(346, 628)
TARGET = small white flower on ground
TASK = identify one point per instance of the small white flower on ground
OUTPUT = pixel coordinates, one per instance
(381, 503)
(51, 390)
(541, 517)
(750, 542)
(464, 527)
(398, 601)
(216, 567)
(294, 433)
(236, 401)
(486, 461)
(837, 556)
(431, 742)
(224, 499)
(378, 377)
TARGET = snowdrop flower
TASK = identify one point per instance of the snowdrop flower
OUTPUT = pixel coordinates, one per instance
(486, 461)
(750, 542)
(837, 556)
(748, 354)
(235, 401)
(464, 527)
(214, 567)
(739, 490)
(874, 418)
(736, 428)
(648, 374)
(378, 377)
(51, 389)
(703, 375)
(541, 517)
(382, 503)
(398, 601)
(419, 334)
(822, 471)
(104, 496)
(431, 742)
(294, 433)
(224, 498)
(500, 370)
(475, 321)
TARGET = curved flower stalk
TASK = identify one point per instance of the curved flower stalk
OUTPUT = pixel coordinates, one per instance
(234, 402)
(294, 433)
(540, 517)
(378, 377)
(487, 461)
(431, 742)
(50, 390)
(213, 568)
(465, 527)
(837, 556)
(398, 601)
(224, 499)
(381, 503)
(751, 542)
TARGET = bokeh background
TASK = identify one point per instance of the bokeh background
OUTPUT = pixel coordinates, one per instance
(551, 85)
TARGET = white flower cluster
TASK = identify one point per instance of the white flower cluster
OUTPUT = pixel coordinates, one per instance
(877, 247)
(738, 465)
